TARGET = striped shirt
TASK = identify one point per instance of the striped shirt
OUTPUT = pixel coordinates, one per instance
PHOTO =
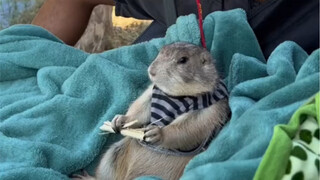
(165, 108)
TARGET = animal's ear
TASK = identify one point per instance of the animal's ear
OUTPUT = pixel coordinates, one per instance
(206, 57)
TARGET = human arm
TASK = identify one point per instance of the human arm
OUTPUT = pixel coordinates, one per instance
(67, 19)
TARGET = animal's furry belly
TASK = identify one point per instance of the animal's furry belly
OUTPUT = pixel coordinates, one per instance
(133, 160)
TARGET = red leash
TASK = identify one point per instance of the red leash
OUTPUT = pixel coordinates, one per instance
(203, 41)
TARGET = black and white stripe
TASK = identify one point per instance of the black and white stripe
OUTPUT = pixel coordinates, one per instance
(165, 108)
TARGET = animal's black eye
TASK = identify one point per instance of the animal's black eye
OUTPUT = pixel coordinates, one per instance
(182, 60)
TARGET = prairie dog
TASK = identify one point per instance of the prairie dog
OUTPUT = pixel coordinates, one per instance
(180, 70)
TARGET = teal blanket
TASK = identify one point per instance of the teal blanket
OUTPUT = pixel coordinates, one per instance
(53, 98)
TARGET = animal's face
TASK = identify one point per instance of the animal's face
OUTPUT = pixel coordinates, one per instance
(183, 69)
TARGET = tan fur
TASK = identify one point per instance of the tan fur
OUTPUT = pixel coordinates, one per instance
(140, 109)
(127, 159)
(190, 130)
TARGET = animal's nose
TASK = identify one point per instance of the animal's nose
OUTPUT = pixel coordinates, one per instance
(152, 73)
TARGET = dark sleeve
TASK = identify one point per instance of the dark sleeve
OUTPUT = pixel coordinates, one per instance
(141, 9)
(277, 21)
(273, 21)
(164, 12)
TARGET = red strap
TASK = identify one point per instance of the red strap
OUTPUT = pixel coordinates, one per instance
(203, 41)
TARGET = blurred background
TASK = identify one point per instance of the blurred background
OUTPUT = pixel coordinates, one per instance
(105, 31)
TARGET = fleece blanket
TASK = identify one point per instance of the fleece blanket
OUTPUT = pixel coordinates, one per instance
(294, 149)
(53, 98)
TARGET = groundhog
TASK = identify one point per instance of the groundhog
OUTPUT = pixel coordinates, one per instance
(183, 108)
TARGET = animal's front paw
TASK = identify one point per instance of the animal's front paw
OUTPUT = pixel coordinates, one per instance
(118, 121)
(153, 135)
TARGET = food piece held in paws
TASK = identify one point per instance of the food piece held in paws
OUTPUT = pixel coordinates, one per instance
(107, 127)
(127, 125)
(134, 133)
